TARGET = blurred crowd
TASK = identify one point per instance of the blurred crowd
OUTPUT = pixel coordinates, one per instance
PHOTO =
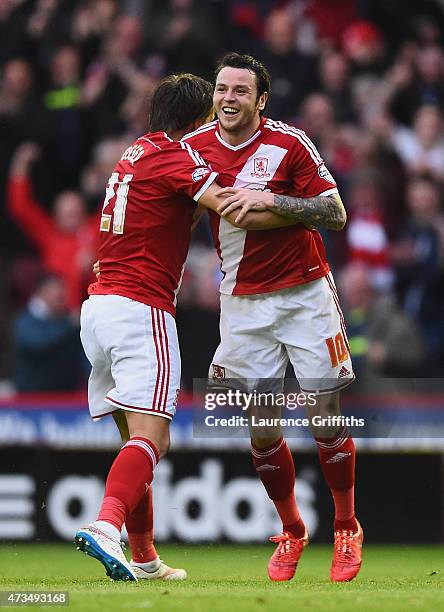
(363, 78)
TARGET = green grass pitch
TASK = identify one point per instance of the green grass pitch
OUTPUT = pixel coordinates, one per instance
(233, 579)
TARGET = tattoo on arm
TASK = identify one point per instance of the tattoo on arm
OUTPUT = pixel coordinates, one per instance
(320, 211)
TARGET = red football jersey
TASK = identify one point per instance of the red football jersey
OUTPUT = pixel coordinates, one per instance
(146, 220)
(277, 158)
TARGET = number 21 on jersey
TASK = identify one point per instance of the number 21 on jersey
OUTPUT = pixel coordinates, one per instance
(120, 196)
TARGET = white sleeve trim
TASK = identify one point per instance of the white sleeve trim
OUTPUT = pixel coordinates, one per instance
(328, 192)
(210, 180)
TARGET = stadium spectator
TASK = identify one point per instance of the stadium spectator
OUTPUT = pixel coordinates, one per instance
(422, 149)
(20, 110)
(335, 83)
(417, 256)
(246, 19)
(368, 98)
(186, 33)
(291, 70)
(65, 129)
(65, 240)
(21, 116)
(92, 20)
(13, 19)
(384, 342)
(366, 234)
(40, 19)
(363, 44)
(317, 118)
(48, 350)
(330, 18)
(427, 28)
(115, 74)
(47, 30)
(17, 103)
(420, 83)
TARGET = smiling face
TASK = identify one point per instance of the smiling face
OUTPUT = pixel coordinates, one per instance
(237, 103)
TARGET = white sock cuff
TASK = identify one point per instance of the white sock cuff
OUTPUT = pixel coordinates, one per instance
(261, 454)
(335, 442)
(149, 449)
(149, 566)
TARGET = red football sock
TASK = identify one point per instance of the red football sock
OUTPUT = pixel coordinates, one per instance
(337, 458)
(139, 525)
(274, 466)
(128, 479)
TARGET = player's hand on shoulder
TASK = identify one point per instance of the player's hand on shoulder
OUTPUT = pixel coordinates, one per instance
(24, 155)
(242, 201)
(96, 269)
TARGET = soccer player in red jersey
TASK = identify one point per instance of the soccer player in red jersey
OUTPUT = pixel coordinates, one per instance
(127, 324)
(278, 298)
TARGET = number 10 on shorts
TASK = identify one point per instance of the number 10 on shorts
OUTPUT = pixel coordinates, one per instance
(337, 349)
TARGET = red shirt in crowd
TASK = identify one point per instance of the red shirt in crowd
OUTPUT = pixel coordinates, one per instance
(62, 253)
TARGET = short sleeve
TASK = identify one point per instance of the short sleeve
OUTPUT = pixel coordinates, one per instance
(187, 171)
(310, 176)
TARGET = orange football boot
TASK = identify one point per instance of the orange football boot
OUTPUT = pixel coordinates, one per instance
(284, 561)
(347, 555)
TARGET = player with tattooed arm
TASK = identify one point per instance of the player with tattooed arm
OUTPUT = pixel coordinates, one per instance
(278, 299)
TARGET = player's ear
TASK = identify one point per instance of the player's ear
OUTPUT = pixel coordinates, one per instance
(262, 100)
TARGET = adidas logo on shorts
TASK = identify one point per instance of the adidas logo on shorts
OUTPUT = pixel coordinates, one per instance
(343, 372)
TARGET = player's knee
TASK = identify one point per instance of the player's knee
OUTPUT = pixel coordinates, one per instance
(153, 428)
(328, 404)
(163, 445)
(266, 440)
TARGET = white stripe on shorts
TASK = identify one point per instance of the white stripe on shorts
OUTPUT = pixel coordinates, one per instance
(160, 336)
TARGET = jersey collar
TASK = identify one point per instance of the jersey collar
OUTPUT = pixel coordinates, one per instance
(243, 144)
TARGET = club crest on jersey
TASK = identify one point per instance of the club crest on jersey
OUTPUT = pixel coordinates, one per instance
(199, 173)
(218, 372)
(260, 166)
(325, 174)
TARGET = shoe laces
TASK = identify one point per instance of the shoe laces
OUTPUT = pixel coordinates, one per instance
(286, 544)
(344, 546)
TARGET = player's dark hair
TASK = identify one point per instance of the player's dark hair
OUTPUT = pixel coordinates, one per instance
(235, 60)
(179, 101)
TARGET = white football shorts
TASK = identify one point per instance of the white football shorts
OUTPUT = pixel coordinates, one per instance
(261, 333)
(134, 353)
